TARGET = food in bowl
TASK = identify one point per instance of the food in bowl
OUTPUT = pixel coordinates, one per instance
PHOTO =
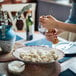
(16, 67)
(38, 55)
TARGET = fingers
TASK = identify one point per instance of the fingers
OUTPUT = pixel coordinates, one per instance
(51, 17)
(51, 35)
(43, 16)
(48, 16)
(43, 21)
(52, 31)
(47, 21)
(53, 39)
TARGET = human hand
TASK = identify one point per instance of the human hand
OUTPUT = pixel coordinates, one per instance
(51, 35)
(48, 22)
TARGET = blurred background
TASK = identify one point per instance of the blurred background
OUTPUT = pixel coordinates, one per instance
(58, 8)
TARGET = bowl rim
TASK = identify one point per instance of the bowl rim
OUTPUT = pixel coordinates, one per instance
(30, 62)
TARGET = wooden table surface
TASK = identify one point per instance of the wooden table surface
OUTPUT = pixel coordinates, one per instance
(37, 70)
(33, 70)
(30, 69)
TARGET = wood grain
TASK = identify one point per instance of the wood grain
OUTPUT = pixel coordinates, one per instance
(41, 70)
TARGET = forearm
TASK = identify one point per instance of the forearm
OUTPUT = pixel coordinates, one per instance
(66, 26)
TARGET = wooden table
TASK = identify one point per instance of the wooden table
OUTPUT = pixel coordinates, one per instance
(34, 70)
(52, 69)
(37, 70)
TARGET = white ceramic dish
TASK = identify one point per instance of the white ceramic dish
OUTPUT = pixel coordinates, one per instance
(16, 67)
(17, 52)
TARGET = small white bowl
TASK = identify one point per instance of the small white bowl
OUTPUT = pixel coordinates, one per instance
(16, 67)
